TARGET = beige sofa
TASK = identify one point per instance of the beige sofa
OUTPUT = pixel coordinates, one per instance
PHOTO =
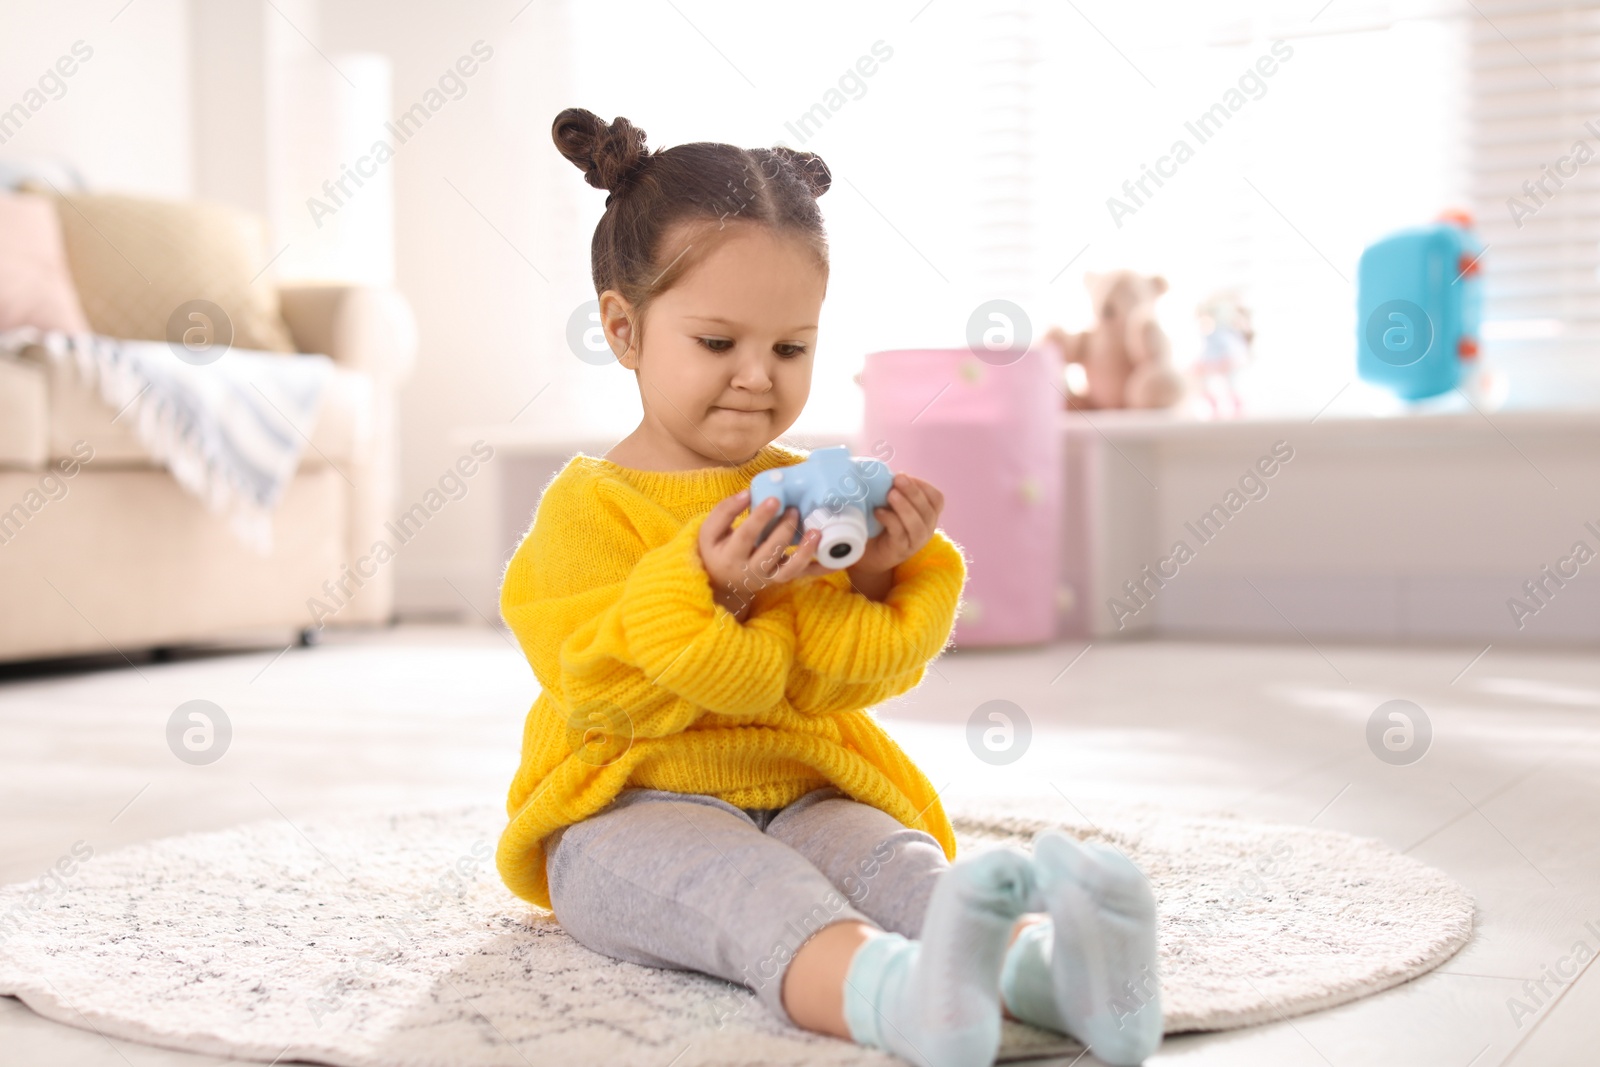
(115, 557)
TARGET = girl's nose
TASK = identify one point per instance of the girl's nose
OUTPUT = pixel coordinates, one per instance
(752, 375)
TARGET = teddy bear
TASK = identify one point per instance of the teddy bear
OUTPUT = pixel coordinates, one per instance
(1126, 356)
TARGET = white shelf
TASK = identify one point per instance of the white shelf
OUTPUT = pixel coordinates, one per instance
(1415, 526)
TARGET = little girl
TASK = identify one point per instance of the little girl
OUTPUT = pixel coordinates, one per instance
(701, 785)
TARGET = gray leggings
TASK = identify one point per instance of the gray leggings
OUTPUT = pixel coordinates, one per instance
(690, 882)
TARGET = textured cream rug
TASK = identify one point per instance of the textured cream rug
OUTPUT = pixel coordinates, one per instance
(390, 941)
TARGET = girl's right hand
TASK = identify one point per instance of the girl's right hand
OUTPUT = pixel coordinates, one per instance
(738, 566)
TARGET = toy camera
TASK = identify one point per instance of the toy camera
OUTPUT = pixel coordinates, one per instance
(1418, 304)
(836, 494)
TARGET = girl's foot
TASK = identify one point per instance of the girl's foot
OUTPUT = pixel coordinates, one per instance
(936, 1001)
(1090, 969)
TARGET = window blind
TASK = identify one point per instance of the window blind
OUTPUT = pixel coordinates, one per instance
(1533, 111)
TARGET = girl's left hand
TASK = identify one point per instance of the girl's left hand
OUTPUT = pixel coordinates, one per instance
(908, 524)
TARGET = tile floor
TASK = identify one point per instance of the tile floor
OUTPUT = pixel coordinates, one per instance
(1507, 798)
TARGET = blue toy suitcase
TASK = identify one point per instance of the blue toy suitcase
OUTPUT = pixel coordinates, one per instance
(1418, 306)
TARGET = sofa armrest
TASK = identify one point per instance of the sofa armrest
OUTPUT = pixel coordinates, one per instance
(365, 328)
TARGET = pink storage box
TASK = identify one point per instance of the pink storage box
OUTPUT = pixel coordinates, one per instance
(988, 436)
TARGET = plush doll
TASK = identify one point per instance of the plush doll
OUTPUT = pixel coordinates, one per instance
(1126, 357)
(1225, 335)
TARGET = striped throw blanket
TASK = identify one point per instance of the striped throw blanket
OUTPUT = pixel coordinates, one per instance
(230, 431)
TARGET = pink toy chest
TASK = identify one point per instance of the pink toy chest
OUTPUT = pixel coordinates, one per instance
(987, 434)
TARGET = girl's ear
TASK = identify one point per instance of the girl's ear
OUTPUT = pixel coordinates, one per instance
(616, 320)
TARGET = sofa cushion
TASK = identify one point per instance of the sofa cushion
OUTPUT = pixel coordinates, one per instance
(35, 285)
(24, 414)
(138, 261)
(342, 434)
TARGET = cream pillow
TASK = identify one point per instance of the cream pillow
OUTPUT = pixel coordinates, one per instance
(35, 284)
(137, 260)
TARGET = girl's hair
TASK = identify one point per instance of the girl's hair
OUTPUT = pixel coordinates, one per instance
(703, 185)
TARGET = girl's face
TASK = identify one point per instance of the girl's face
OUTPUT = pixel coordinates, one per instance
(726, 360)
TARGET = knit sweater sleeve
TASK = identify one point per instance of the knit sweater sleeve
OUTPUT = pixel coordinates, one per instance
(617, 628)
(852, 651)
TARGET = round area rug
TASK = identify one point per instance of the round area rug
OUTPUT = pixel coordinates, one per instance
(390, 942)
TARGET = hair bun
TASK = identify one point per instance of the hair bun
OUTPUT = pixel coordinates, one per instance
(809, 166)
(609, 154)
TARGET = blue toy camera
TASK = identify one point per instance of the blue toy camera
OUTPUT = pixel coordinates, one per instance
(1419, 300)
(836, 494)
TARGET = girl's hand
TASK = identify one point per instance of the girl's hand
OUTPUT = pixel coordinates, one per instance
(908, 523)
(738, 566)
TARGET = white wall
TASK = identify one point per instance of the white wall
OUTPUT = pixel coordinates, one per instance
(123, 119)
(492, 262)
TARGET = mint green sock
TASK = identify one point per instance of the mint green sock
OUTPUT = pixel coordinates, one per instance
(1090, 969)
(1026, 987)
(936, 1001)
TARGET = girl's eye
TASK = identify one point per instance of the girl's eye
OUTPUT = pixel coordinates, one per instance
(722, 344)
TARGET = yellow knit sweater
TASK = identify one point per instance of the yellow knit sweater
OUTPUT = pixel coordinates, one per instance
(647, 681)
